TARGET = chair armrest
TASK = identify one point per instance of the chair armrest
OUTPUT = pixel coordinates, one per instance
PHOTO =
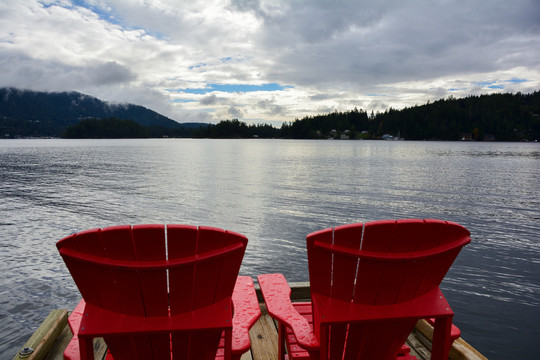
(71, 351)
(246, 313)
(277, 296)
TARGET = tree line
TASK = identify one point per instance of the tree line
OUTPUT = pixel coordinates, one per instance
(501, 117)
(113, 128)
(504, 117)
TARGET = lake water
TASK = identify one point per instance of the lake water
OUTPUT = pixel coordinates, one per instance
(276, 192)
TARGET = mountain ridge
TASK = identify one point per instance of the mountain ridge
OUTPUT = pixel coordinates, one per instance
(49, 114)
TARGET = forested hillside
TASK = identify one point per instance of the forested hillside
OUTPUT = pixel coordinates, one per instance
(492, 117)
(501, 117)
(113, 128)
(31, 113)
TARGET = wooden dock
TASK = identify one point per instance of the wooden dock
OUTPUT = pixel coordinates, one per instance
(52, 337)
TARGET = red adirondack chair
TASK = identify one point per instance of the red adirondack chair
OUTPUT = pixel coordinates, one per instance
(369, 286)
(156, 292)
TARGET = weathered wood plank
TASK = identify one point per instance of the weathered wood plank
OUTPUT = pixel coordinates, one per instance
(300, 291)
(264, 338)
(246, 356)
(462, 350)
(417, 348)
(44, 337)
(57, 350)
(100, 348)
(421, 344)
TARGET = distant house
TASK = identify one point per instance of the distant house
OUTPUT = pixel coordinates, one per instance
(387, 137)
(465, 136)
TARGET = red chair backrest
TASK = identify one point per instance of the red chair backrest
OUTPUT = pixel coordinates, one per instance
(381, 263)
(153, 270)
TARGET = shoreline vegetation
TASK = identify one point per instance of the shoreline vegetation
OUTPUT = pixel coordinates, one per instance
(495, 117)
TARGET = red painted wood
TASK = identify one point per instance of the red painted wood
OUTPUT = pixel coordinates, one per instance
(118, 244)
(277, 296)
(230, 264)
(147, 296)
(344, 266)
(369, 285)
(182, 243)
(455, 333)
(323, 270)
(149, 244)
(207, 274)
(80, 242)
(246, 313)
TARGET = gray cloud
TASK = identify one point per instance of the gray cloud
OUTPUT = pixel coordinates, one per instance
(319, 97)
(22, 71)
(210, 100)
(110, 73)
(398, 41)
(377, 106)
(270, 107)
(235, 112)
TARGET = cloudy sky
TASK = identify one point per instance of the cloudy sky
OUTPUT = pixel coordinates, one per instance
(270, 60)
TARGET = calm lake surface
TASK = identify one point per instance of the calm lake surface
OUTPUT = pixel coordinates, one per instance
(276, 192)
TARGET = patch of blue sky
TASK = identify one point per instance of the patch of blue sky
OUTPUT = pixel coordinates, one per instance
(516, 80)
(496, 86)
(109, 15)
(183, 101)
(235, 88)
(485, 83)
(103, 14)
(65, 4)
(197, 66)
(48, 4)
(196, 91)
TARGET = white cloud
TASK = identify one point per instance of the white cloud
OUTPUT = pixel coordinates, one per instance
(333, 55)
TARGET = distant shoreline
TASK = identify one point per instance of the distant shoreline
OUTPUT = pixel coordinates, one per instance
(199, 138)
(495, 117)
